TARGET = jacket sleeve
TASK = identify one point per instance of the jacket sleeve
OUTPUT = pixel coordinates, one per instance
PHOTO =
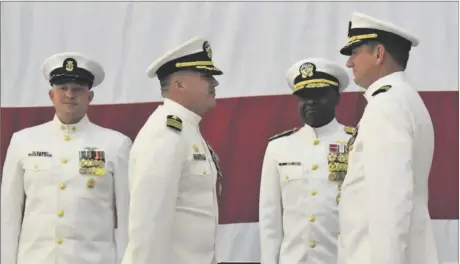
(122, 197)
(270, 210)
(155, 169)
(389, 182)
(12, 203)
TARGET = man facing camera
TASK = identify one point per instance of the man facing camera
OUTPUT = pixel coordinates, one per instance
(64, 194)
(303, 169)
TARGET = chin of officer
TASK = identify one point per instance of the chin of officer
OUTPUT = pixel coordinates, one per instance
(173, 170)
(303, 170)
(65, 185)
(384, 215)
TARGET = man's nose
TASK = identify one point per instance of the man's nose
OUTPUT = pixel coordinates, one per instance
(350, 63)
(69, 93)
(214, 82)
(310, 101)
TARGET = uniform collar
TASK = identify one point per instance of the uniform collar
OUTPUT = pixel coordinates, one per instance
(182, 112)
(385, 80)
(70, 129)
(325, 130)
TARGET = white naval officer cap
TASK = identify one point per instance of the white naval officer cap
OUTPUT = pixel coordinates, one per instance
(193, 55)
(363, 28)
(72, 67)
(316, 73)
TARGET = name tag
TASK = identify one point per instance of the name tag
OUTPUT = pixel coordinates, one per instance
(294, 163)
(199, 156)
(40, 154)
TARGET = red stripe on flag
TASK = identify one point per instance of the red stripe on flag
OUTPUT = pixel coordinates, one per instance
(238, 130)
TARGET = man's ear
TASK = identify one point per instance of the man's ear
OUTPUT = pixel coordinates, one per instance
(51, 94)
(90, 96)
(380, 53)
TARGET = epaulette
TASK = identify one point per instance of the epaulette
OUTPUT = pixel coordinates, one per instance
(283, 134)
(382, 90)
(349, 130)
(174, 122)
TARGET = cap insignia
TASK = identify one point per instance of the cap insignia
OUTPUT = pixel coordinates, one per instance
(69, 64)
(307, 69)
(207, 49)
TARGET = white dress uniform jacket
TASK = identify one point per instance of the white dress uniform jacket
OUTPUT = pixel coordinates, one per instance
(384, 216)
(298, 198)
(51, 213)
(174, 213)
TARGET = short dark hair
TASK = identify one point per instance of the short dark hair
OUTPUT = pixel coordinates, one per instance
(400, 56)
(165, 81)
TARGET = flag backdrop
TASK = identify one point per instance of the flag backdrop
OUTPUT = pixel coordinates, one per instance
(254, 44)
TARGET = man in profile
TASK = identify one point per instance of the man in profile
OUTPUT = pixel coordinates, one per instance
(384, 215)
(173, 170)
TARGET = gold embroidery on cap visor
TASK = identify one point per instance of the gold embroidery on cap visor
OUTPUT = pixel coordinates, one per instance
(357, 38)
(314, 83)
(206, 65)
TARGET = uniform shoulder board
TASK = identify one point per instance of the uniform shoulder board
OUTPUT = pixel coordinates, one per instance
(283, 134)
(382, 89)
(174, 122)
(349, 130)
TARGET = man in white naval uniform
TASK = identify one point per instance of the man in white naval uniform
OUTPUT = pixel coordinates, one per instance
(64, 192)
(172, 171)
(303, 169)
(384, 217)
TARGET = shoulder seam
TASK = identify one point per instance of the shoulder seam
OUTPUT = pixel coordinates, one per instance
(284, 133)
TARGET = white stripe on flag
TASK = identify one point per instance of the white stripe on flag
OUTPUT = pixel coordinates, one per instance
(253, 43)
